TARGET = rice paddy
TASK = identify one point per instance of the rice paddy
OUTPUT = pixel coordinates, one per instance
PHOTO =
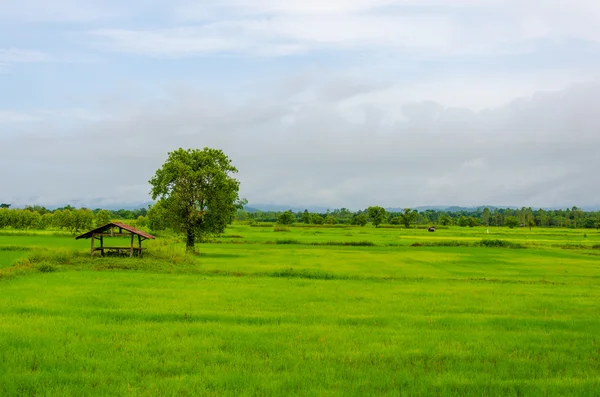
(315, 311)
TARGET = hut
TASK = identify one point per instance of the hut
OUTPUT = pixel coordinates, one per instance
(116, 229)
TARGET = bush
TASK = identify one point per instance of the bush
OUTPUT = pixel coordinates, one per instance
(281, 228)
(501, 244)
(286, 218)
(46, 267)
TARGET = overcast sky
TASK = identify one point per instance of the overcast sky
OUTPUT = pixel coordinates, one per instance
(339, 103)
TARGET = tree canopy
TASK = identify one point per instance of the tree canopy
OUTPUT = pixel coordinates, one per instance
(378, 215)
(196, 193)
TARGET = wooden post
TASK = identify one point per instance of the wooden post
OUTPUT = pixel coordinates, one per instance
(140, 243)
(102, 245)
(131, 251)
(92, 250)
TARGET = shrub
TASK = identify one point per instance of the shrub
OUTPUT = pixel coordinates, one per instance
(46, 267)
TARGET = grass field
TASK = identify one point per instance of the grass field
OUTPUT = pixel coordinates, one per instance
(313, 311)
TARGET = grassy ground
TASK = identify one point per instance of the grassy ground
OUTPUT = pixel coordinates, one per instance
(248, 316)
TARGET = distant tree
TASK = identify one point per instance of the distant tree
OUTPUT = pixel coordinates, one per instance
(82, 219)
(512, 222)
(445, 220)
(286, 218)
(463, 221)
(157, 218)
(316, 219)
(360, 220)
(472, 221)
(197, 192)
(485, 217)
(102, 218)
(330, 220)
(141, 221)
(4, 205)
(530, 222)
(377, 214)
(242, 215)
(408, 217)
(306, 217)
(397, 220)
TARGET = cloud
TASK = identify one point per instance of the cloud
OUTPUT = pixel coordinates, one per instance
(23, 56)
(539, 150)
(423, 28)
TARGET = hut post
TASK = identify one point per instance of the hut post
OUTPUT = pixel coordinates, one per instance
(102, 244)
(92, 248)
(140, 243)
(131, 249)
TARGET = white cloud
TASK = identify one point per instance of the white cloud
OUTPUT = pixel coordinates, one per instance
(23, 56)
(539, 150)
(429, 28)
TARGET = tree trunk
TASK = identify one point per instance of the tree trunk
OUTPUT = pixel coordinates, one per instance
(191, 238)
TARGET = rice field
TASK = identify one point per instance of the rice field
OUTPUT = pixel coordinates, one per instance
(314, 311)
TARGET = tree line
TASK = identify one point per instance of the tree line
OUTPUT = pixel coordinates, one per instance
(66, 218)
(80, 219)
(503, 217)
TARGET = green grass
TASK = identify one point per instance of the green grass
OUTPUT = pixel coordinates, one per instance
(315, 316)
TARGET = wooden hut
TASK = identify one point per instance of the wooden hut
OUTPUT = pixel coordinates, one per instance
(116, 229)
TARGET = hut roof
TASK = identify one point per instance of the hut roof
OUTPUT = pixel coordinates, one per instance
(110, 225)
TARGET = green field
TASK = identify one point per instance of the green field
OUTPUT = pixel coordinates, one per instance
(313, 311)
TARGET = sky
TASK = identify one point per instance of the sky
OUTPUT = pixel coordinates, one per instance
(336, 103)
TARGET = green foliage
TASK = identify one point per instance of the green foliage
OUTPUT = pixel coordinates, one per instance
(408, 217)
(335, 311)
(445, 220)
(360, 220)
(45, 267)
(102, 218)
(316, 219)
(485, 216)
(512, 222)
(472, 222)
(330, 220)
(463, 221)
(286, 218)
(377, 215)
(306, 217)
(196, 192)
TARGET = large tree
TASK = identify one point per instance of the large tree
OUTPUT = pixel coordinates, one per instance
(377, 214)
(408, 217)
(197, 193)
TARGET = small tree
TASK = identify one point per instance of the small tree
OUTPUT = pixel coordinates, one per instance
(445, 220)
(306, 217)
(485, 217)
(102, 218)
(472, 222)
(330, 220)
(360, 220)
(197, 193)
(463, 221)
(316, 219)
(286, 218)
(377, 215)
(408, 217)
(512, 222)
